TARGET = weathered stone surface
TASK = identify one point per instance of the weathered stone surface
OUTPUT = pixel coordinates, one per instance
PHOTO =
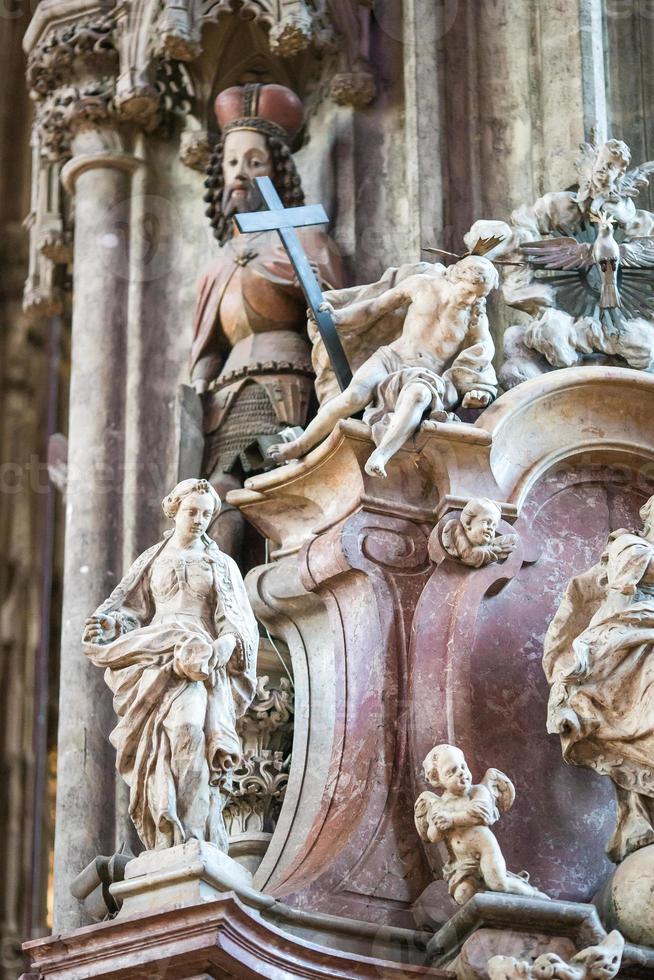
(228, 939)
(625, 900)
(454, 660)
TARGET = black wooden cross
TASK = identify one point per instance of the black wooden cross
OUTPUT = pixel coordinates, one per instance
(284, 221)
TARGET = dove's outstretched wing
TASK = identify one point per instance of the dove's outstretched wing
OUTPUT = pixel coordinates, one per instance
(564, 264)
(636, 180)
(500, 787)
(561, 254)
(636, 278)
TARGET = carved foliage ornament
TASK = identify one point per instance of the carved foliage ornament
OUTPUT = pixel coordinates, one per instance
(600, 962)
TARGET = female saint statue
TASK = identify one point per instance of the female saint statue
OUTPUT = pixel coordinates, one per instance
(178, 641)
(599, 661)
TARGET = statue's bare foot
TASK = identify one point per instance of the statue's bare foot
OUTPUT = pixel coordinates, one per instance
(375, 465)
(284, 451)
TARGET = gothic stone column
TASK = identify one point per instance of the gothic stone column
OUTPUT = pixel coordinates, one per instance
(77, 122)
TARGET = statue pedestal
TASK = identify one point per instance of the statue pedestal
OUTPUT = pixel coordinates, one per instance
(189, 874)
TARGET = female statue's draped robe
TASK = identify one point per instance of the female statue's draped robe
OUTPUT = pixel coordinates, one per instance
(600, 664)
(176, 740)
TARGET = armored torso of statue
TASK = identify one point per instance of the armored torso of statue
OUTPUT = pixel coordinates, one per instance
(250, 358)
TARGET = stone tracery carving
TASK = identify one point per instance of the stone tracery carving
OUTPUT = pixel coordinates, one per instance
(461, 818)
(596, 662)
(259, 783)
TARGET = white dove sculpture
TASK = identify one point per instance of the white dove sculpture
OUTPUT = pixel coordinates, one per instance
(573, 260)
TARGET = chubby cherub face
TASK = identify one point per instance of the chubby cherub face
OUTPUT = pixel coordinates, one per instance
(452, 772)
(480, 528)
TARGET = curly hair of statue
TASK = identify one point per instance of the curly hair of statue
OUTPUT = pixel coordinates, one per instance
(285, 178)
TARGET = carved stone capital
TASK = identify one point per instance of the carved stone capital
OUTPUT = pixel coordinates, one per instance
(85, 45)
(293, 32)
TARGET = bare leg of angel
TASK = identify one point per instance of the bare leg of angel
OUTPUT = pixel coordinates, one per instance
(412, 403)
(498, 879)
(356, 396)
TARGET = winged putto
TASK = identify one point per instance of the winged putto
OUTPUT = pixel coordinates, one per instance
(461, 818)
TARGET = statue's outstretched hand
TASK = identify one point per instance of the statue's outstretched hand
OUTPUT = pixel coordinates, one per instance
(476, 398)
(100, 629)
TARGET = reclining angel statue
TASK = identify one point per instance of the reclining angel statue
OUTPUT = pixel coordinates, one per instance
(598, 661)
(462, 817)
(178, 641)
(421, 345)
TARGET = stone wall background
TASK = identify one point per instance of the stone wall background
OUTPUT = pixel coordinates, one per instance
(480, 107)
(33, 367)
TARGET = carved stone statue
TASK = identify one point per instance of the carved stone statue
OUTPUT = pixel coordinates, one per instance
(461, 817)
(597, 659)
(599, 962)
(178, 642)
(581, 265)
(471, 538)
(438, 354)
(250, 358)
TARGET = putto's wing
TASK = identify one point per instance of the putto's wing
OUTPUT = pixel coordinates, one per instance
(584, 167)
(421, 811)
(559, 253)
(634, 181)
(638, 253)
(500, 787)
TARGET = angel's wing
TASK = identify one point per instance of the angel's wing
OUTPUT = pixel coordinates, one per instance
(584, 167)
(421, 811)
(634, 181)
(500, 787)
(638, 253)
(561, 254)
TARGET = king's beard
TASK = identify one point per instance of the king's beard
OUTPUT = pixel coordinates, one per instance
(246, 199)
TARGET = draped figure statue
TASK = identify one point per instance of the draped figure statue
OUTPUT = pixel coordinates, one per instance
(178, 641)
(599, 661)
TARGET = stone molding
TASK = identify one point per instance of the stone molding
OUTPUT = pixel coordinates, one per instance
(90, 161)
(537, 425)
(231, 934)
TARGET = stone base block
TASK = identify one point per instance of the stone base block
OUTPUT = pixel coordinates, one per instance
(491, 924)
(225, 939)
(180, 876)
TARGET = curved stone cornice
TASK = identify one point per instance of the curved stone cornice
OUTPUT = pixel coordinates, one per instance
(592, 412)
(227, 936)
